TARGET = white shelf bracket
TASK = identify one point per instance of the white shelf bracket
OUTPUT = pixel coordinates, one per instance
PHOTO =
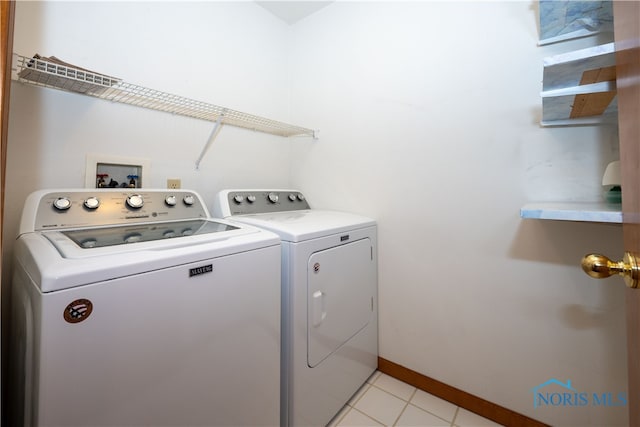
(214, 133)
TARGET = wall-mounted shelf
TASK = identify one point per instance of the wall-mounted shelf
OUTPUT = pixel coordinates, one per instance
(574, 211)
(565, 20)
(56, 74)
(579, 87)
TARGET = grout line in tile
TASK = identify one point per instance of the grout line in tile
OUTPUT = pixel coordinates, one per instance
(394, 395)
(401, 412)
(368, 416)
(343, 413)
(358, 395)
(405, 406)
(431, 413)
(455, 415)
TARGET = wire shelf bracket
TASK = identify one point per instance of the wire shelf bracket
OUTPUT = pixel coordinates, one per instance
(53, 73)
(214, 133)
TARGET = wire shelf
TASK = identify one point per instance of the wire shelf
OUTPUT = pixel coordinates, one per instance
(53, 73)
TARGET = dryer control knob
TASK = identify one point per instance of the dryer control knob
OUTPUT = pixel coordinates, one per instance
(135, 201)
(189, 200)
(238, 198)
(292, 197)
(273, 197)
(91, 203)
(62, 203)
(251, 198)
(170, 200)
(301, 197)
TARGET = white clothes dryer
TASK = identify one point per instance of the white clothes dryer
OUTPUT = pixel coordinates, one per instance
(134, 307)
(329, 298)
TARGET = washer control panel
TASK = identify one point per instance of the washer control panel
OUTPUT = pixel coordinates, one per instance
(62, 209)
(244, 202)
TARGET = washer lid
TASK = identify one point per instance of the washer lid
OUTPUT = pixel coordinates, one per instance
(297, 226)
(115, 240)
(54, 262)
(90, 238)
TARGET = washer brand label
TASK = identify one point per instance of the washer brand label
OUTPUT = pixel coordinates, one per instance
(344, 238)
(200, 270)
(78, 311)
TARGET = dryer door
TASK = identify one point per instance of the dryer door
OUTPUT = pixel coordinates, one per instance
(341, 287)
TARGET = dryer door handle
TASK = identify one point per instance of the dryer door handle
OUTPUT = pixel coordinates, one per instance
(318, 308)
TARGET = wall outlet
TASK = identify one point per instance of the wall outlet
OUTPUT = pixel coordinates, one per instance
(173, 183)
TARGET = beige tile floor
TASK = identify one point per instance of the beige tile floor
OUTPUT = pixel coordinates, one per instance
(386, 401)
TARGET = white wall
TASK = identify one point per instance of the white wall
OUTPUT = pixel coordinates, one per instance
(428, 118)
(229, 54)
(428, 115)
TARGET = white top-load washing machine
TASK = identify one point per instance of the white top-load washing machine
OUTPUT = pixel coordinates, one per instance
(135, 308)
(329, 298)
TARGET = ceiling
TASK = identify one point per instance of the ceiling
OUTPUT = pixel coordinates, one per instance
(293, 11)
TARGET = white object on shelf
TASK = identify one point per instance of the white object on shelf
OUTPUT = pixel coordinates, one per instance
(612, 174)
(574, 211)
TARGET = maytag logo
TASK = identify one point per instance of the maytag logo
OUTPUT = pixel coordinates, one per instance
(200, 270)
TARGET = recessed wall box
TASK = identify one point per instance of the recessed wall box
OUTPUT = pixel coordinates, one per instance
(116, 172)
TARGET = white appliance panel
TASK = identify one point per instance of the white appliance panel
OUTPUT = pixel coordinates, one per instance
(298, 226)
(330, 341)
(341, 287)
(316, 394)
(195, 366)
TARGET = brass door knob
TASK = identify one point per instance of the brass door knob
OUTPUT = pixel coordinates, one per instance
(599, 266)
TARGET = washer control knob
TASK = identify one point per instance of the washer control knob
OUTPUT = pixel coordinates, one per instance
(292, 197)
(133, 238)
(301, 197)
(238, 198)
(91, 203)
(135, 201)
(189, 199)
(273, 197)
(251, 198)
(89, 243)
(170, 200)
(62, 203)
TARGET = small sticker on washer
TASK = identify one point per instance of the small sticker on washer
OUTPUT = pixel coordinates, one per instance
(316, 267)
(78, 310)
(200, 270)
(344, 238)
